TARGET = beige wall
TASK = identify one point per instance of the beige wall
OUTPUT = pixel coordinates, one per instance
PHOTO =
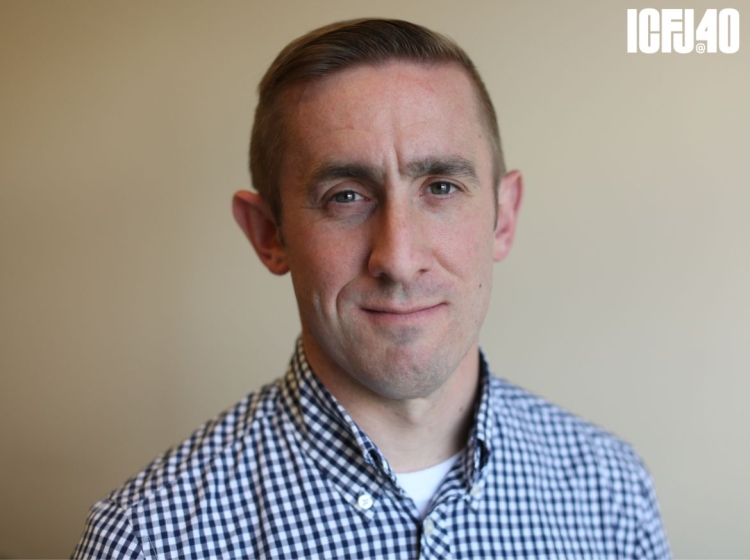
(132, 309)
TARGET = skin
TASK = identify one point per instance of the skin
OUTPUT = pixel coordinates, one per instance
(390, 231)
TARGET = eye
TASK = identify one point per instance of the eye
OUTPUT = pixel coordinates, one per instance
(442, 188)
(344, 197)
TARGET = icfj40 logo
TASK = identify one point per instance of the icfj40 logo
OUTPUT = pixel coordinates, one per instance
(675, 30)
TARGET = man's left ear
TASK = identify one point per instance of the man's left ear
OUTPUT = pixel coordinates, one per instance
(508, 206)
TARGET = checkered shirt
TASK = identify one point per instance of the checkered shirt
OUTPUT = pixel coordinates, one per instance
(286, 473)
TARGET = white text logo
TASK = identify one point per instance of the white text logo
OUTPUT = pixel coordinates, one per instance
(675, 30)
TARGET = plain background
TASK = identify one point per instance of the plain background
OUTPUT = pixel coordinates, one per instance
(132, 308)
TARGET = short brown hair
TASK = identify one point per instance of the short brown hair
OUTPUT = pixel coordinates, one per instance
(334, 48)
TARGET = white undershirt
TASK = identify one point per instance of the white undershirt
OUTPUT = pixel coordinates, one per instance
(421, 485)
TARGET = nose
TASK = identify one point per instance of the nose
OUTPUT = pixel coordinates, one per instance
(400, 244)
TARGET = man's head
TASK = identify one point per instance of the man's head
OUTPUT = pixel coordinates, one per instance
(392, 219)
(335, 48)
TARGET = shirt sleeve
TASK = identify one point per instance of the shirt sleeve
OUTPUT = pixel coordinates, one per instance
(651, 539)
(109, 533)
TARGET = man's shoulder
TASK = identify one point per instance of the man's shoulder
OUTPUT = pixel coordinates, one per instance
(201, 449)
(161, 496)
(577, 466)
(553, 433)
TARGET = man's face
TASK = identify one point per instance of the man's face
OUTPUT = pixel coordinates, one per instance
(388, 224)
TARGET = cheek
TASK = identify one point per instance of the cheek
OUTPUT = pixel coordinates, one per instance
(467, 251)
(322, 264)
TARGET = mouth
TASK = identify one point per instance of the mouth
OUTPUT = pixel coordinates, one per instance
(401, 310)
(401, 314)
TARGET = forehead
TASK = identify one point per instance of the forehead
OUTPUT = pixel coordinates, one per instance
(384, 116)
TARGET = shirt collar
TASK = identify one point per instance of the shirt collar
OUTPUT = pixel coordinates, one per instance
(481, 436)
(331, 439)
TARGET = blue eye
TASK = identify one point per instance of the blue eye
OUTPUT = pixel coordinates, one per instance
(442, 188)
(346, 196)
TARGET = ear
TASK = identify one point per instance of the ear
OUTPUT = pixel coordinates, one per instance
(255, 218)
(508, 206)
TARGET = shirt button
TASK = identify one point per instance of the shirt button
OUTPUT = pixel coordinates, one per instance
(475, 491)
(429, 527)
(365, 501)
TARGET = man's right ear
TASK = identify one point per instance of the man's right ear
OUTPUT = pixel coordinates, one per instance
(255, 218)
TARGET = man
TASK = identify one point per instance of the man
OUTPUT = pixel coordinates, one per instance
(382, 190)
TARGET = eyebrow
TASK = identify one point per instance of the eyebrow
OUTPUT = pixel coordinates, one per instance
(452, 166)
(331, 171)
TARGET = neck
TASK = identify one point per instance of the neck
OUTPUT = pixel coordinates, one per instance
(417, 433)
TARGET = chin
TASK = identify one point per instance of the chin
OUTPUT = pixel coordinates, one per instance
(402, 377)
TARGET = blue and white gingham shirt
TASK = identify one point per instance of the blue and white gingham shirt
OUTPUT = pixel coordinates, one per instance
(286, 473)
